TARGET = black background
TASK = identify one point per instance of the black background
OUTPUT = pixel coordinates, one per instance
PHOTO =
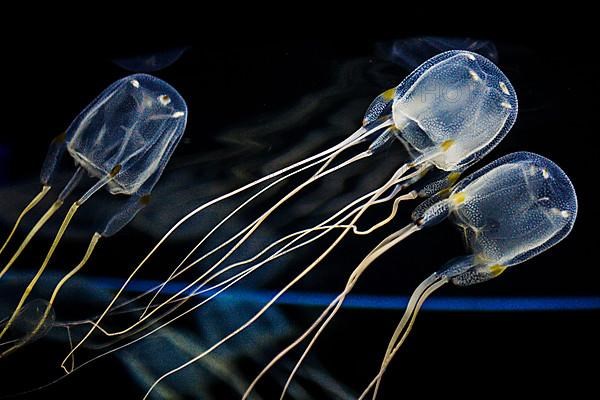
(229, 82)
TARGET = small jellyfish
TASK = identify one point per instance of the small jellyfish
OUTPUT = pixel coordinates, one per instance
(448, 114)
(124, 138)
(511, 210)
(412, 51)
(32, 322)
(151, 62)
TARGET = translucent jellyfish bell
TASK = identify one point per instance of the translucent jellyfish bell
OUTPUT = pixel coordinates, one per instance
(136, 124)
(459, 98)
(511, 210)
(124, 138)
(514, 208)
(457, 101)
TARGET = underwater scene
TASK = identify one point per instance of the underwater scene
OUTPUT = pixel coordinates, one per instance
(299, 219)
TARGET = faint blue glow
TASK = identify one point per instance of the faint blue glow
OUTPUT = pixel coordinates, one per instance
(435, 303)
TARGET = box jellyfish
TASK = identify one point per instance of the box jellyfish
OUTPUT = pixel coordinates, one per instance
(510, 211)
(124, 139)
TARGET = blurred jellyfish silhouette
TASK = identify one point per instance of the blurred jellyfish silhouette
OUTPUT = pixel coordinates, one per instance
(411, 52)
(224, 375)
(151, 62)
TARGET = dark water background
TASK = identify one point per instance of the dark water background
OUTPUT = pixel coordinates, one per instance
(255, 105)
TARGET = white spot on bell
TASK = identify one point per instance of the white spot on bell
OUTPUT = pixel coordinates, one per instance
(164, 99)
(135, 83)
(545, 173)
(474, 75)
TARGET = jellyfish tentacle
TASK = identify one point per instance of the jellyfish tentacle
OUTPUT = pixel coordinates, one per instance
(61, 231)
(40, 271)
(280, 252)
(284, 250)
(178, 270)
(255, 226)
(386, 245)
(355, 137)
(229, 282)
(95, 238)
(405, 325)
(42, 221)
(409, 196)
(55, 151)
(319, 226)
(34, 202)
(303, 233)
(38, 225)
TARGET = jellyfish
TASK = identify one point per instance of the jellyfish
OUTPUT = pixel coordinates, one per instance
(509, 211)
(410, 52)
(448, 113)
(151, 62)
(124, 139)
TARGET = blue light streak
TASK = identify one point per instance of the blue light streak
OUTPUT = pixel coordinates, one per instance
(362, 301)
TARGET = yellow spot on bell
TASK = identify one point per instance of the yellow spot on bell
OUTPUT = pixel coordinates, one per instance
(457, 198)
(497, 269)
(115, 170)
(453, 177)
(446, 144)
(388, 94)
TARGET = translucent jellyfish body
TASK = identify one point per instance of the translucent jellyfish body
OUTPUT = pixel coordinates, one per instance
(136, 124)
(124, 138)
(513, 209)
